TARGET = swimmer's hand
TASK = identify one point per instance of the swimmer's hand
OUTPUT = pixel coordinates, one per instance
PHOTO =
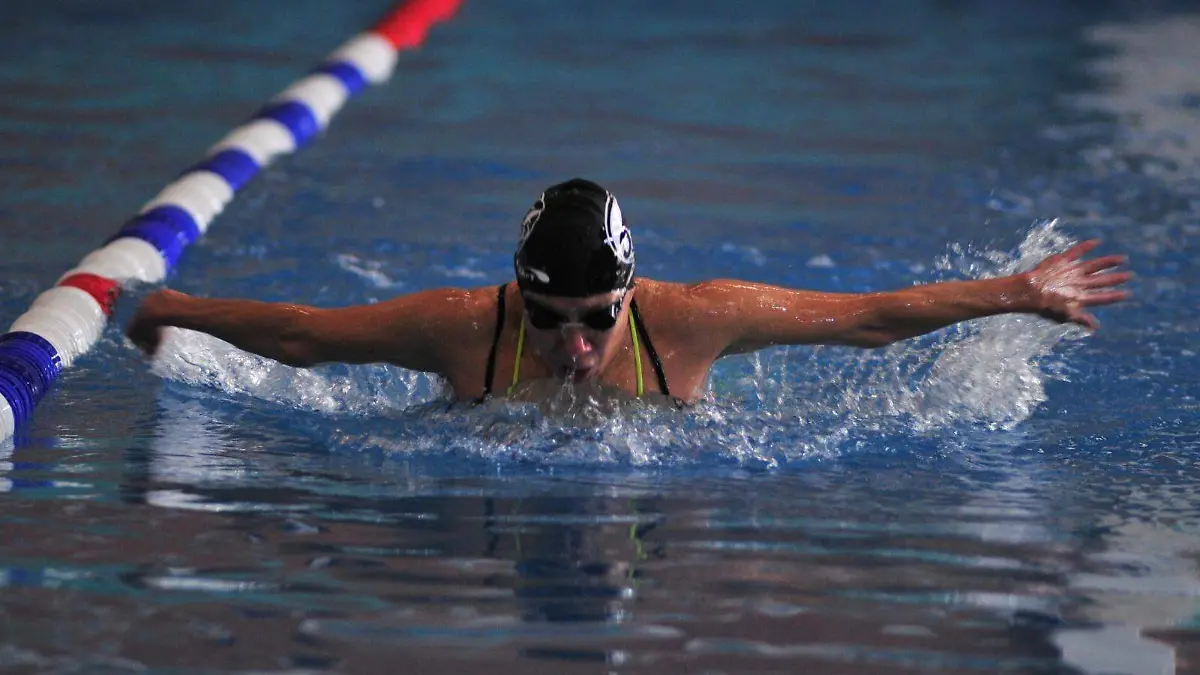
(1063, 286)
(145, 330)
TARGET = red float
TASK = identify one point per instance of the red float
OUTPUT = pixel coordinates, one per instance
(407, 26)
(104, 291)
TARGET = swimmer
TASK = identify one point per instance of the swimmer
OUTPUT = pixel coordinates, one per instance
(577, 313)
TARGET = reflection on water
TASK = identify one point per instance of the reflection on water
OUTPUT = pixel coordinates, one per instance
(1154, 93)
(628, 569)
(296, 557)
(986, 560)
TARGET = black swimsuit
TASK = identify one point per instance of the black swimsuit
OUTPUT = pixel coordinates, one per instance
(638, 324)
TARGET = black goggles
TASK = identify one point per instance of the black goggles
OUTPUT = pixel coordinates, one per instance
(542, 317)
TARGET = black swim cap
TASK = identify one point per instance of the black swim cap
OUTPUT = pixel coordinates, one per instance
(574, 243)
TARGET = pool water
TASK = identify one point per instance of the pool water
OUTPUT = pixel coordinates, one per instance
(1006, 495)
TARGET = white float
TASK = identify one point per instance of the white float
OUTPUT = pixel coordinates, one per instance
(371, 53)
(262, 139)
(323, 94)
(203, 194)
(124, 259)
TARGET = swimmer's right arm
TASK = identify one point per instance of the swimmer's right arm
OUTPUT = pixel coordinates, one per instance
(409, 331)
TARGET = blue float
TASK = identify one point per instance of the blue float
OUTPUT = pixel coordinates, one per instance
(236, 166)
(296, 116)
(350, 76)
(167, 228)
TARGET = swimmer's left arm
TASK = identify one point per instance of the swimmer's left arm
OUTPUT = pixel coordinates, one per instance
(745, 317)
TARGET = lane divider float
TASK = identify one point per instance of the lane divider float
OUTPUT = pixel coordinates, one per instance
(66, 321)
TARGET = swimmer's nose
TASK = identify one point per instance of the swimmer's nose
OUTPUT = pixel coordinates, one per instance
(575, 344)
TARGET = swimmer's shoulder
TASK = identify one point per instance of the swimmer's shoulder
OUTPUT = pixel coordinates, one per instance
(449, 322)
(453, 328)
(469, 314)
(675, 307)
(654, 295)
(688, 323)
(679, 294)
(701, 303)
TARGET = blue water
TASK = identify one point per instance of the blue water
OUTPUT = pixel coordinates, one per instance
(1004, 496)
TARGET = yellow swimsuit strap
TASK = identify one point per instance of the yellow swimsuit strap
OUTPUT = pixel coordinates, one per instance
(637, 357)
(517, 362)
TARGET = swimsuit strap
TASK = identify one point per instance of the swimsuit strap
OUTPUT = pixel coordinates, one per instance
(637, 357)
(491, 362)
(517, 360)
(636, 317)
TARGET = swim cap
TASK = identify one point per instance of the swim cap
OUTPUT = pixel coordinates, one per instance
(574, 243)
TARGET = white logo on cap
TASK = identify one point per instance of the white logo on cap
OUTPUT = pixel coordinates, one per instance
(540, 275)
(616, 235)
(531, 219)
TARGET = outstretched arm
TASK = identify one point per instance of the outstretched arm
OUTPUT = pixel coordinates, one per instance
(409, 331)
(744, 317)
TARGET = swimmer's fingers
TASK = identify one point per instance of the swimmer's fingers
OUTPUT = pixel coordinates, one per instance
(1105, 280)
(1070, 259)
(145, 329)
(1085, 319)
(144, 332)
(1079, 250)
(1102, 263)
(1103, 298)
(146, 340)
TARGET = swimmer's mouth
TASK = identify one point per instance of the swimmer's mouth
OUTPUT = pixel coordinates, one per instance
(579, 374)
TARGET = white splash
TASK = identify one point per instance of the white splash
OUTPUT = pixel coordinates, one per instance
(202, 360)
(989, 371)
(822, 261)
(749, 254)
(367, 269)
(468, 270)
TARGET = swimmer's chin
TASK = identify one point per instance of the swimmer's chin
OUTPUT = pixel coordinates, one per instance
(578, 375)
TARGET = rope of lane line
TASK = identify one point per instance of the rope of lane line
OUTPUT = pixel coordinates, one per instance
(65, 321)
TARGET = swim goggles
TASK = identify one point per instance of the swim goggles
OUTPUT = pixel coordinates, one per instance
(542, 317)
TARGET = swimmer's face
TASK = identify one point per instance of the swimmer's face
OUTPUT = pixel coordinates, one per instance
(575, 337)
